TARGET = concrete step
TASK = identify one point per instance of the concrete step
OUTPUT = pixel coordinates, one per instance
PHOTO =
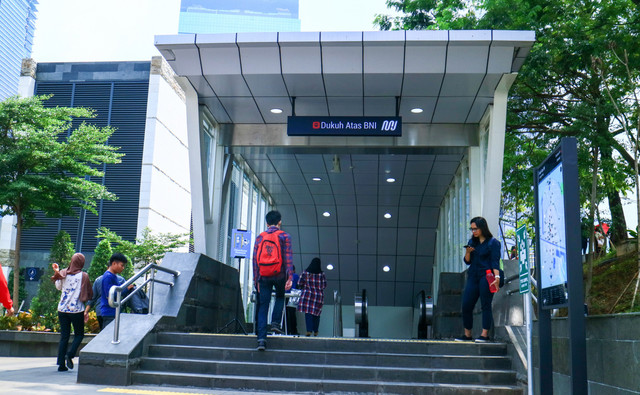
(326, 365)
(357, 345)
(296, 384)
(363, 372)
(334, 357)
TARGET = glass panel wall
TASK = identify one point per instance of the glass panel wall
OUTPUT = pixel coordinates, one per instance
(452, 232)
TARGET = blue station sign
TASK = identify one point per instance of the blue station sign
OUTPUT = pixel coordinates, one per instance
(344, 126)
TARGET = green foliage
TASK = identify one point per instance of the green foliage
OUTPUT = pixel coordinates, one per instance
(45, 304)
(45, 168)
(150, 248)
(22, 292)
(100, 261)
(62, 250)
(560, 90)
(47, 164)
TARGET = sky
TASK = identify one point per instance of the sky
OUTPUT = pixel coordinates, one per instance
(123, 30)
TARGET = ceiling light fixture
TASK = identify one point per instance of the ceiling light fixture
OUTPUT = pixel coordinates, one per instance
(386, 269)
(317, 179)
(391, 179)
(326, 214)
(387, 215)
(416, 110)
(329, 267)
(276, 110)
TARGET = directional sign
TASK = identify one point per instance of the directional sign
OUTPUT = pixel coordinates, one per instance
(522, 239)
(241, 243)
(344, 126)
(33, 274)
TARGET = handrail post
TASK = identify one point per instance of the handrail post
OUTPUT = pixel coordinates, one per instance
(151, 288)
(116, 323)
(115, 293)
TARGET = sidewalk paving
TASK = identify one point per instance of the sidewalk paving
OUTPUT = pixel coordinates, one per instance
(39, 376)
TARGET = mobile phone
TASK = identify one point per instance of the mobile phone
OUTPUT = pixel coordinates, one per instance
(466, 246)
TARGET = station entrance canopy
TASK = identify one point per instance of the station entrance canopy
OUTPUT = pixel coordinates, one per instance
(458, 79)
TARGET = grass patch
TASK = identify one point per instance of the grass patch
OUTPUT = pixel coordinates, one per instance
(611, 276)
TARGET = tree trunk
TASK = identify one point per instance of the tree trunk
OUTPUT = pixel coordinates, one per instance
(618, 231)
(592, 209)
(16, 264)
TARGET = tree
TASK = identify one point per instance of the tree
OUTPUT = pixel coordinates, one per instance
(45, 304)
(46, 165)
(100, 261)
(149, 248)
(558, 91)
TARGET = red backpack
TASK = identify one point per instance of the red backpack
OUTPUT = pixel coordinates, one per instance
(269, 254)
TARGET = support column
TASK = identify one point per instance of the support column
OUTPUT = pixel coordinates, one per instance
(198, 182)
(495, 153)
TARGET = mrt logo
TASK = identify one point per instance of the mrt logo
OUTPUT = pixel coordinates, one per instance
(316, 125)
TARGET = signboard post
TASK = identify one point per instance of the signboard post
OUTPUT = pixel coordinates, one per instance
(522, 241)
(558, 260)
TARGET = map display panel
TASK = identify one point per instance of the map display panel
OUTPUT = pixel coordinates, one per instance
(553, 244)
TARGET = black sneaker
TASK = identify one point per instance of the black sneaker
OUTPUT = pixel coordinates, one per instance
(277, 329)
(463, 338)
(262, 345)
(69, 362)
(482, 339)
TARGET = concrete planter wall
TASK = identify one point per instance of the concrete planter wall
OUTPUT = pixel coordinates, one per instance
(33, 344)
(613, 354)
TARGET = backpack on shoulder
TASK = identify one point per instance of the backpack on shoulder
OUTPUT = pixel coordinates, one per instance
(269, 254)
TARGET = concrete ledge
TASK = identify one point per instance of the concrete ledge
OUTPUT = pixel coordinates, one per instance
(102, 362)
(33, 344)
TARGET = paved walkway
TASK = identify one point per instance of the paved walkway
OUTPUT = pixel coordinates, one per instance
(39, 376)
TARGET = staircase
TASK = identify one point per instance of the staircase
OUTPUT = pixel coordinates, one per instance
(327, 365)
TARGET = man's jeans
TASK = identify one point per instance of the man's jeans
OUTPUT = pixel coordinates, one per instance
(266, 286)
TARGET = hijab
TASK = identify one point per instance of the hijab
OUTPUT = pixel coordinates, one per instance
(315, 267)
(75, 267)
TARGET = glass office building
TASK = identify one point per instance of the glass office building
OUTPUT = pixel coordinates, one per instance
(232, 16)
(17, 22)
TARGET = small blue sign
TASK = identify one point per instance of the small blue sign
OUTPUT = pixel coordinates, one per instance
(33, 274)
(241, 243)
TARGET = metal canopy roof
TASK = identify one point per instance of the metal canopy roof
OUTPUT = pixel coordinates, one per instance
(451, 75)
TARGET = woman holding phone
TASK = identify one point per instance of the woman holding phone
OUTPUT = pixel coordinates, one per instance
(482, 254)
(76, 291)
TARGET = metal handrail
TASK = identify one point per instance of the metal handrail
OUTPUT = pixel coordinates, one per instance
(115, 293)
(337, 314)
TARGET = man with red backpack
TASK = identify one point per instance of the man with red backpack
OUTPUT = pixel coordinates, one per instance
(272, 269)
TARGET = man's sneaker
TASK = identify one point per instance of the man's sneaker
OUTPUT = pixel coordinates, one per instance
(262, 345)
(463, 338)
(276, 328)
(482, 339)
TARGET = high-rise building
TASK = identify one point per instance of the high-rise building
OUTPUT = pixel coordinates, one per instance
(17, 23)
(232, 16)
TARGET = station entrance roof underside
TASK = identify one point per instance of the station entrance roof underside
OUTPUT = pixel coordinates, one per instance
(451, 76)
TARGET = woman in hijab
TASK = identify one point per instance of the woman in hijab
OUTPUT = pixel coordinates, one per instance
(312, 283)
(76, 291)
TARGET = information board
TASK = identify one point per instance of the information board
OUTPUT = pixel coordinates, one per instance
(552, 231)
(241, 243)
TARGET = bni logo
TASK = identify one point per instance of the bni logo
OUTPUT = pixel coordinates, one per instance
(316, 125)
